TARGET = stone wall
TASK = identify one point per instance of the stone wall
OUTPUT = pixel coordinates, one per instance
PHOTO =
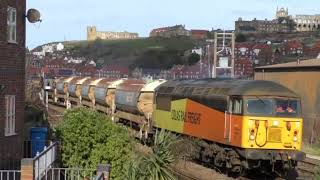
(93, 34)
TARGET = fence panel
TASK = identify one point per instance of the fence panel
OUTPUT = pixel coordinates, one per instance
(70, 174)
(10, 174)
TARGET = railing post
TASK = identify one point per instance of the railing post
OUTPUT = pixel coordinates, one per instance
(105, 169)
(27, 169)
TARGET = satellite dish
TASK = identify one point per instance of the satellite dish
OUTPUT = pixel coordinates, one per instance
(33, 16)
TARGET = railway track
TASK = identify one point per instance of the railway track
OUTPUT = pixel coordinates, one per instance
(182, 175)
(307, 168)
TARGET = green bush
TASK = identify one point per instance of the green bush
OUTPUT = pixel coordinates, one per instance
(317, 172)
(89, 139)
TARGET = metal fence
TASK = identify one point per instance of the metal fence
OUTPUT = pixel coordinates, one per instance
(100, 176)
(69, 174)
(45, 160)
(10, 174)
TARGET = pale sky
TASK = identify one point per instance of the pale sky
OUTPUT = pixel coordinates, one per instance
(68, 19)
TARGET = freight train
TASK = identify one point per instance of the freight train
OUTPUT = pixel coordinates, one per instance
(241, 124)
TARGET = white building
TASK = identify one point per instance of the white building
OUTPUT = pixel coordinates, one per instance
(60, 47)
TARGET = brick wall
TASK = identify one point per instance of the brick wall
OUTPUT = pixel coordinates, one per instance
(12, 76)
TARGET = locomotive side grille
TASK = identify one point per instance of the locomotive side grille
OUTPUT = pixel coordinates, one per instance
(274, 135)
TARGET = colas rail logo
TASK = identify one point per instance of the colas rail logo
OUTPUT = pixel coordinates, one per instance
(188, 117)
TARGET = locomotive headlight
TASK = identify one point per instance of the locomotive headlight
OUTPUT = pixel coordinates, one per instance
(295, 139)
(275, 123)
(252, 137)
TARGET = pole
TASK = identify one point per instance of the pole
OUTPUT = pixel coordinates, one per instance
(214, 73)
(232, 55)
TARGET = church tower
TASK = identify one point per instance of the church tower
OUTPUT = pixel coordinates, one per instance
(282, 13)
(91, 33)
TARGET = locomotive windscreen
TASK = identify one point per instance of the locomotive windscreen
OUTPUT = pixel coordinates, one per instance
(272, 107)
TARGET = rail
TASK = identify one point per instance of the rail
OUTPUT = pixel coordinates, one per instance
(10, 174)
(69, 173)
(307, 168)
(182, 175)
(100, 176)
(44, 161)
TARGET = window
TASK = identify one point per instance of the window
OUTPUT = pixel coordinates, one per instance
(259, 106)
(236, 106)
(11, 25)
(287, 107)
(10, 115)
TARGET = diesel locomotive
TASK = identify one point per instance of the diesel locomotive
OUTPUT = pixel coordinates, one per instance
(241, 124)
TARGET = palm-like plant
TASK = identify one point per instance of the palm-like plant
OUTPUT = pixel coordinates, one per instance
(155, 166)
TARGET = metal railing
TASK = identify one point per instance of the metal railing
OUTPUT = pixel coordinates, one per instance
(100, 176)
(10, 174)
(70, 173)
(44, 161)
(29, 147)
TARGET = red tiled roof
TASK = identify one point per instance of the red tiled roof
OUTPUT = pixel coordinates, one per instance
(293, 44)
(260, 46)
(199, 31)
(121, 69)
(244, 44)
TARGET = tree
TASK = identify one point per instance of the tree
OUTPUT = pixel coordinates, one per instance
(265, 56)
(193, 58)
(241, 38)
(89, 138)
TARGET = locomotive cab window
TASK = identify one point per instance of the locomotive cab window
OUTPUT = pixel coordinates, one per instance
(235, 105)
(259, 106)
(287, 107)
(262, 106)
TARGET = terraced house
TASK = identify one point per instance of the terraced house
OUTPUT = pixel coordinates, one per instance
(12, 80)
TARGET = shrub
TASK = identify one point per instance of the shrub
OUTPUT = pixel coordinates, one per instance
(89, 139)
(317, 172)
(155, 165)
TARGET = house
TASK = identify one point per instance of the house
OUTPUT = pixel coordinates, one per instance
(171, 31)
(33, 66)
(292, 48)
(259, 51)
(243, 68)
(85, 70)
(113, 71)
(196, 71)
(243, 49)
(12, 81)
(199, 34)
(312, 49)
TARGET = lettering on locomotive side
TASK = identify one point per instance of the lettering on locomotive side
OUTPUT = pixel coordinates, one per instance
(189, 117)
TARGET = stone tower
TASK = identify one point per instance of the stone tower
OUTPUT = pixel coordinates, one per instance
(91, 33)
(282, 13)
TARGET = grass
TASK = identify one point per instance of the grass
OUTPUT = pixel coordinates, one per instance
(134, 52)
(313, 149)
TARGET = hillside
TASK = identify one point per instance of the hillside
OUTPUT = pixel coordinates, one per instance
(146, 53)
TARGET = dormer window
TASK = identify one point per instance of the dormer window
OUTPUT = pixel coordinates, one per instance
(12, 25)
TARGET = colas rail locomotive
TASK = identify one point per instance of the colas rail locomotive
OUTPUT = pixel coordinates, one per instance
(242, 124)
